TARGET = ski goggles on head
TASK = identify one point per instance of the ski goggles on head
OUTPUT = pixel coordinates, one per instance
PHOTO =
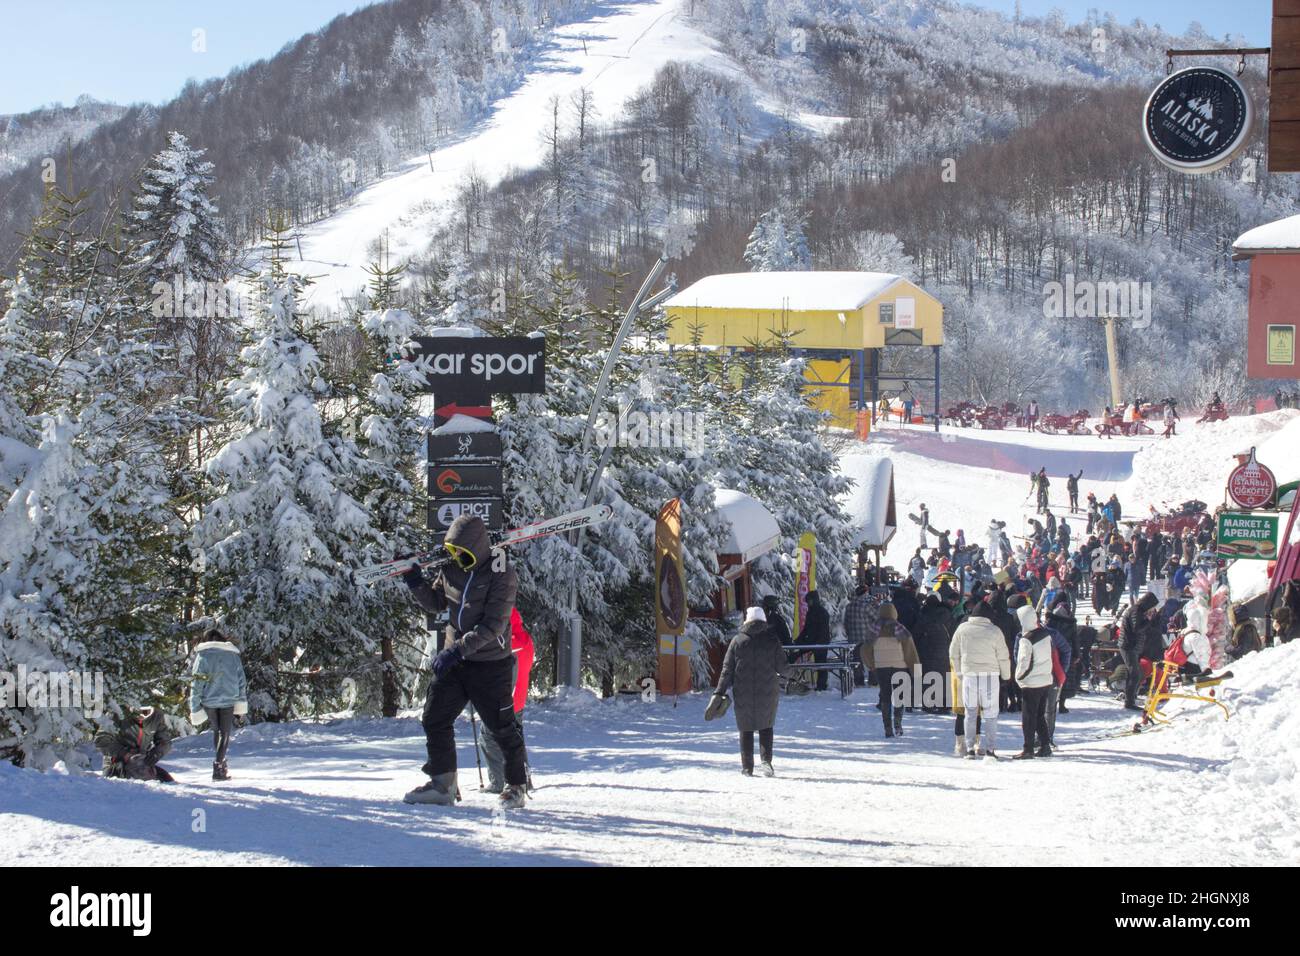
(463, 557)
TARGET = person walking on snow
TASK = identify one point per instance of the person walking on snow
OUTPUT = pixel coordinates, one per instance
(752, 670)
(475, 664)
(521, 646)
(1034, 675)
(980, 662)
(893, 652)
(218, 693)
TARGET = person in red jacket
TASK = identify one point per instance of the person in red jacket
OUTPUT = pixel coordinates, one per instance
(521, 647)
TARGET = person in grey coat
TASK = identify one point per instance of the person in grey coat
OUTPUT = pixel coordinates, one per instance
(218, 692)
(752, 671)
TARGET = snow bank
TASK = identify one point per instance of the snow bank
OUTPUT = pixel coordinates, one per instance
(1195, 463)
(1249, 785)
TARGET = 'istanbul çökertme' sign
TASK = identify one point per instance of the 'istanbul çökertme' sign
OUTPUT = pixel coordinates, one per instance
(1197, 120)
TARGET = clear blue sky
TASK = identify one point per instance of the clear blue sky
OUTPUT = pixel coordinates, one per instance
(127, 51)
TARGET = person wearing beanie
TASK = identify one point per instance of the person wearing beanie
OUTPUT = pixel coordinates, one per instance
(979, 661)
(891, 654)
(752, 670)
(1034, 675)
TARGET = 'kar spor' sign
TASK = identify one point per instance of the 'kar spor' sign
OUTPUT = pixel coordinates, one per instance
(467, 367)
(1197, 120)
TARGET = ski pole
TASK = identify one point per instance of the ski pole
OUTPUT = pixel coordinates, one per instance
(477, 760)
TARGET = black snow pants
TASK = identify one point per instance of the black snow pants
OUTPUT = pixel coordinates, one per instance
(1033, 716)
(489, 686)
(747, 747)
(222, 721)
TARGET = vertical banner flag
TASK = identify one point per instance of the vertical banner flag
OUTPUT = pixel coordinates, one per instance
(670, 601)
(805, 576)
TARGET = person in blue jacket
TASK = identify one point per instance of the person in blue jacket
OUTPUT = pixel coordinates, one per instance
(218, 692)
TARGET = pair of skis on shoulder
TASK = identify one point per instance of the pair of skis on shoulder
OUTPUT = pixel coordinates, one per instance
(572, 521)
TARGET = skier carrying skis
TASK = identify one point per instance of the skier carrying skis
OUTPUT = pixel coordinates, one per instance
(475, 664)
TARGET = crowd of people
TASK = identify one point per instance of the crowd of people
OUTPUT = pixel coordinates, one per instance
(999, 627)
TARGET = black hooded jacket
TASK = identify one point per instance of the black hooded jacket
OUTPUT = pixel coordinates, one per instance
(478, 601)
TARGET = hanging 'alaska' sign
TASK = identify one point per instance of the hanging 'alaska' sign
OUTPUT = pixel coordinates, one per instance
(1197, 120)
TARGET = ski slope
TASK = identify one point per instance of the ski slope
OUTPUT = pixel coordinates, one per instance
(968, 476)
(612, 55)
(625, 782)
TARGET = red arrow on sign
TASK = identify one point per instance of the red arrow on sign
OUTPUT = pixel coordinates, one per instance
(451, 408)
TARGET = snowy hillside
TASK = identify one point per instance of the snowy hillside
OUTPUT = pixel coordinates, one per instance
(610, 56)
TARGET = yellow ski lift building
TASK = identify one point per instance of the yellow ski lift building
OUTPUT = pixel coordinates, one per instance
(840, 321)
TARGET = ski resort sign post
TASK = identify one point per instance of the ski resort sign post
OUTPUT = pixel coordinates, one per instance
(1197, 120)
(464, 372)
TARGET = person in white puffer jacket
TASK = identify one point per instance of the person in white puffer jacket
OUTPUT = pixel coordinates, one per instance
(1034, 675)
(979, 663)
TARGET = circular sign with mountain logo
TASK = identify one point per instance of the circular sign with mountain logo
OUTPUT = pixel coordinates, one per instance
(1197, 120)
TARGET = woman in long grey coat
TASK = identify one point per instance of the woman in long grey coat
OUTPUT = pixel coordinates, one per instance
(752, 670)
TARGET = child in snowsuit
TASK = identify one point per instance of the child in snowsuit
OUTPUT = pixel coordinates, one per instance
(752, 670)
(218, 693)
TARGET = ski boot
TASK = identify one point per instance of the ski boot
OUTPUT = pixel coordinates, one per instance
(220, 771)
(441, 790)
(767, 769)
(514, 796)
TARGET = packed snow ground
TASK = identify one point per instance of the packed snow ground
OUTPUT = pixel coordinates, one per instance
(628, 782)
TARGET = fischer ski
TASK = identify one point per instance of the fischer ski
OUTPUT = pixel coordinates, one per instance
(572, 521)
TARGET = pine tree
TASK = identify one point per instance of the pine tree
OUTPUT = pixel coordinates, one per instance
(82, 530)
(285, 526)
(391, 438)
(778, 244)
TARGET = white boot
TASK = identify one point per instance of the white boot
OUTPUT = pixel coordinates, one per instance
(959, 749)
(513, 796)
(441, 790)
